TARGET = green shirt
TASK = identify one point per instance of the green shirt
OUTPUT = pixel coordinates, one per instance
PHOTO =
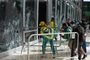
(67, 36)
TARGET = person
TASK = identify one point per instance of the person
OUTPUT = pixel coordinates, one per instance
(80, 30)
(51, 23)
(68, 37)
(72, 42)
(84, 25)
(47, 38)
(66, 28)
(53, 26)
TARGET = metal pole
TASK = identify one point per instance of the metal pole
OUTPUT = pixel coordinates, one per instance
(49, 9)
(64, 10)
(55, 11)
(24, 16)
(37, 14)
(23, 24)
(60, 21)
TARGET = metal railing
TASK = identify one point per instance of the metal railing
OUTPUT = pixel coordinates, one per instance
(29, 31)
(28, 45)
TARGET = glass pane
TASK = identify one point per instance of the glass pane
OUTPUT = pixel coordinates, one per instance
(30, 22)
(58, 9)
(11, 22)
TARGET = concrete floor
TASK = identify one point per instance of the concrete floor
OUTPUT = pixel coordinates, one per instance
(35, 53)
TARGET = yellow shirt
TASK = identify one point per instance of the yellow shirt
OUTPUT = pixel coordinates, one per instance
(51, 24)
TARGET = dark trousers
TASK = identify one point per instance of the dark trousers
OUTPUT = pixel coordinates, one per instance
(74, 46)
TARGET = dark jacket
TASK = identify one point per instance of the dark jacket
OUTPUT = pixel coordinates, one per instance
(80, 30)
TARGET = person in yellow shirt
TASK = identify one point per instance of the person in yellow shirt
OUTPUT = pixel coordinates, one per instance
(53, 26)
(47, 38)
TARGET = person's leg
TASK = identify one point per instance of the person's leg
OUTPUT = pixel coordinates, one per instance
(79, 52)
(52, 47)
(44, 45)
(73, 48)
(84, 48)
(83, 52)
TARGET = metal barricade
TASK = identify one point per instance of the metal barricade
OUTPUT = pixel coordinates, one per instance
(28, 45)
(25, 38)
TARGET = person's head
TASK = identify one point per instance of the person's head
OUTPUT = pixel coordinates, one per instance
(64, 25)
(42, 24)
(72, 23)
(52, 18)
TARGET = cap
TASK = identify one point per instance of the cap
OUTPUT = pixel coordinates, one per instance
(42, 23)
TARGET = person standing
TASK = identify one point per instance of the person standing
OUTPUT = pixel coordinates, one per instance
(80, 30)
(47, 38)
(84, 25)
(66, 28)
(53, 26)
